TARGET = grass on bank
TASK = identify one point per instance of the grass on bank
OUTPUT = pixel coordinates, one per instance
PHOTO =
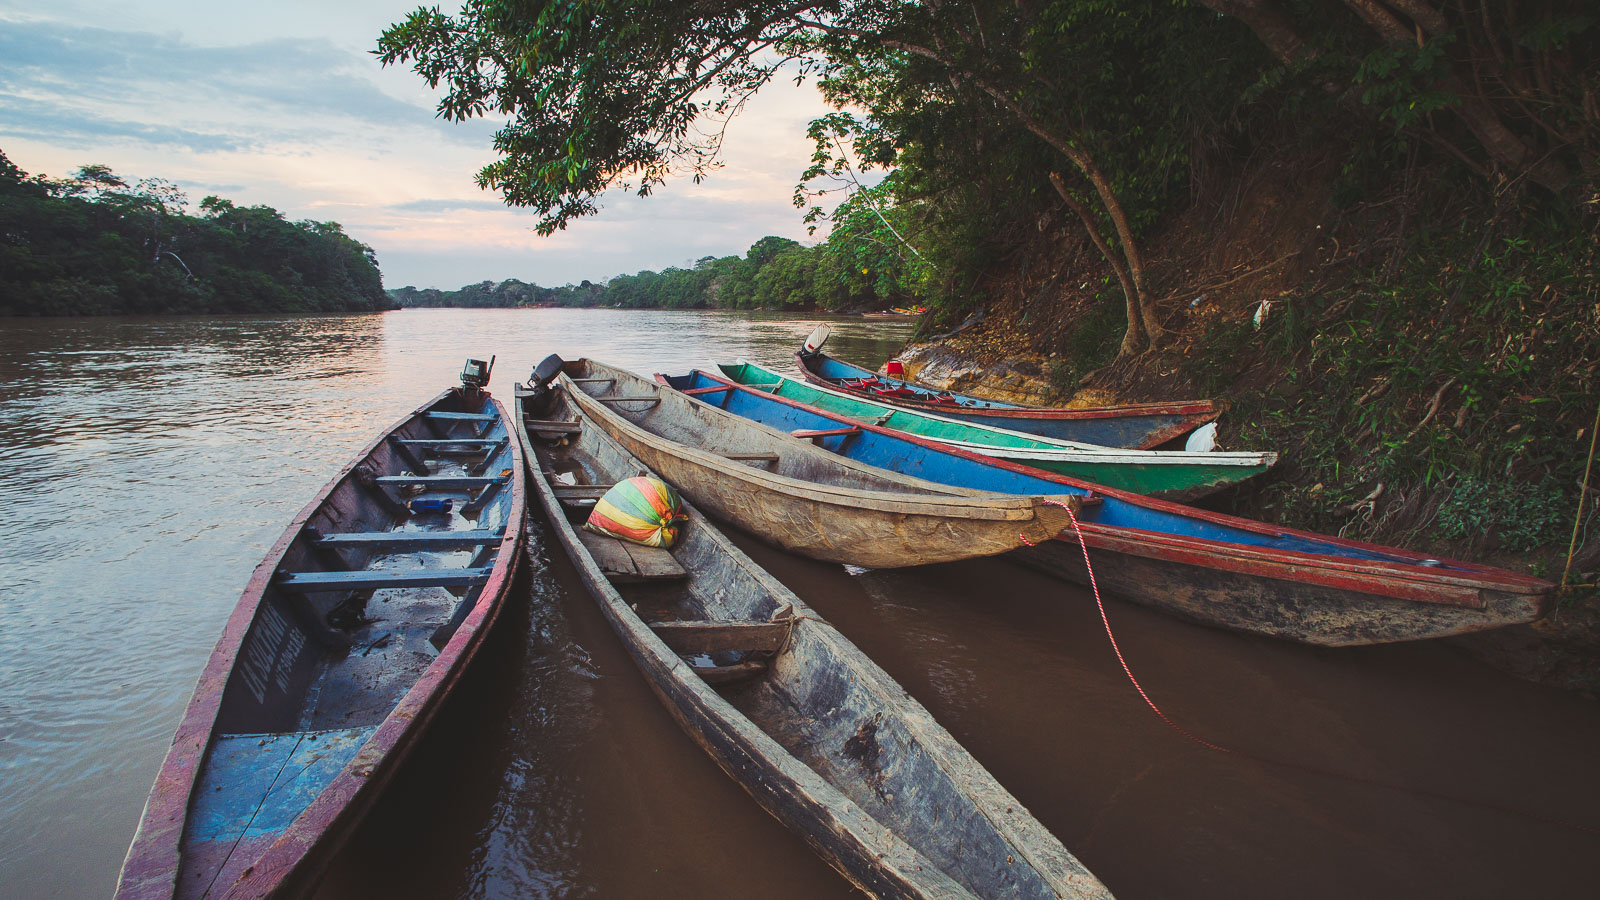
(1444, 403)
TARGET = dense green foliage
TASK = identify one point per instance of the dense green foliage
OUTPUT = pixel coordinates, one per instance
(96, 245)
(1432, 371)
(1004, 121)
(1462, 394)
(843, 274)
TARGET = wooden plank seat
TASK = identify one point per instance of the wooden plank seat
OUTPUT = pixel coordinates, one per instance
(459, 417)
(816, 435)
(695, 392)
(440, 482)
(710, 637)
(489, 455)
(569, 493)
(653, 401)
(380, 579)
(410, 540)
(416, 464)
(446, 446)
(546, 427)
(471, 507)
(623, 562)
(751, 457)
(724, 674)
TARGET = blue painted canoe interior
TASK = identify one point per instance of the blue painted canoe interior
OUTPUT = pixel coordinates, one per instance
(908, 458)
(332, 648)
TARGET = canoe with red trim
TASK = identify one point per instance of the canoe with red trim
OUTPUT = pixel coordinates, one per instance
(1204, 566)
(314, 694)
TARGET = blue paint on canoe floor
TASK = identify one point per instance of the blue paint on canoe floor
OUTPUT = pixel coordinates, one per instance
(256, 785)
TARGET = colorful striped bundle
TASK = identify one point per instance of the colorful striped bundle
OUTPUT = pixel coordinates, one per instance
(644, 509)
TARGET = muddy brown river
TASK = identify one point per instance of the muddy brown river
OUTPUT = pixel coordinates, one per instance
(147, 464)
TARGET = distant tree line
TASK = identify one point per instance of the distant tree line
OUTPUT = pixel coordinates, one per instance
(97, 244)
(1008, 125)
(861, 266)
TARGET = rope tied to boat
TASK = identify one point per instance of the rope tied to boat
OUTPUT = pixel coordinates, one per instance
(1105, 620)
(787, 616)
(1313, 770)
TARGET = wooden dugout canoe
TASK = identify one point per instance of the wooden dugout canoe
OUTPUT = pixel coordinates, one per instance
(327, 671)
(801, 497)
(1134, 426)
(1203, 566)
(816, 732)
(1169, 474)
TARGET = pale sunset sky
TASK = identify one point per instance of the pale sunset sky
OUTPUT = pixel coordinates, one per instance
(281, 103)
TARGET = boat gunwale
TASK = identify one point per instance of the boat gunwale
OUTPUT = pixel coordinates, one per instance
(1022, 830)
(155, 854)
(1370, 574)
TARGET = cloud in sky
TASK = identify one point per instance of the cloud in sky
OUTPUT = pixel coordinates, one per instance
(283, 105)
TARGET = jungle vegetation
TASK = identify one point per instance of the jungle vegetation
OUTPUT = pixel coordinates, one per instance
(1120, 184)
(845, 273)
(98, 243)
(995, 114)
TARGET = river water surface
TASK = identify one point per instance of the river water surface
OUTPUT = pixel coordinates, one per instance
(146, 465)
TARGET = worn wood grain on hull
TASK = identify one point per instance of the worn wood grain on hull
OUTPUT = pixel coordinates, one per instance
(808, 503)
(821, 738)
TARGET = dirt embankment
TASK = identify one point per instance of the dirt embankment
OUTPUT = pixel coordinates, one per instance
(1385, 440)
(1270, 235)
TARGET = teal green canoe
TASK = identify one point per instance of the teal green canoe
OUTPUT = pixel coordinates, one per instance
(1172, 475)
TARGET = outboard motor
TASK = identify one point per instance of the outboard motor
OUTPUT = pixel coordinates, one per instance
(475, 375)
(814, 343)
(539, 392)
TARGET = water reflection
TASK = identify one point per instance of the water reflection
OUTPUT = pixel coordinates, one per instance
(146, 464)
(556, 773)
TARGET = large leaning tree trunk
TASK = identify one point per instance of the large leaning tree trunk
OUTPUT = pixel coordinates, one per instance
(1133, 339)
(609, 94)
(1144, 321)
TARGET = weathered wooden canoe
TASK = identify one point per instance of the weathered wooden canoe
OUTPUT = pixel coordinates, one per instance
(800, 497)
(1208, 567)
(350, 633)
(816, 732)
(1136, 426)
(1169, 474)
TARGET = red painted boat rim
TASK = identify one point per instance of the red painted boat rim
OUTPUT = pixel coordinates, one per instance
(1373, 576)
(152, 863)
